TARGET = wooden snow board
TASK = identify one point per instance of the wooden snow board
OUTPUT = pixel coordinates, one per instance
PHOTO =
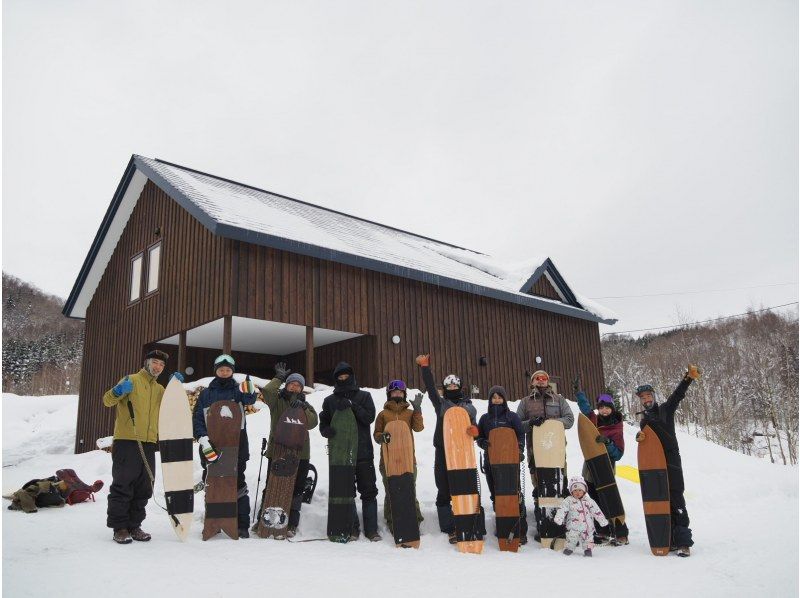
(342, 453)
(398, 461)
(224, 423)
(549, 445)
(602, 471)
(289, 438)
(462, 474)
(655, 492)
(504, 460)
(176, 445)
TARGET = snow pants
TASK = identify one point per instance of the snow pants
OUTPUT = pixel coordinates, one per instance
(444, 508)
(681, 533)
(130, 485)
(242, 497)
(576, 539)
(366, 484)
(387, 507)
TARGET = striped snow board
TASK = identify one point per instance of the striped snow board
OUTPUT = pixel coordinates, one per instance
(601, 470)
(504, 461)
(342, 452)
(290, 436)
(398, 461)
(655, 492)
(175, 443)
(549, 445)
(224, 423)
(462, 474)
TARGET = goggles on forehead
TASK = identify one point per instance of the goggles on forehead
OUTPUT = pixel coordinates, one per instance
(396, 385)
(452, 379)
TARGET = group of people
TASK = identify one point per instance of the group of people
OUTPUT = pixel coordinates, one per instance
(137, 400)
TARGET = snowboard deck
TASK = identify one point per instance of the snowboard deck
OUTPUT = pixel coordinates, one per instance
(504, 461)
(398, 461)
(550, 457)
(342, 453)
(290, 437)
(462, 473)
(176, 445)
(224, 423)
(655, 492)
(602, 471)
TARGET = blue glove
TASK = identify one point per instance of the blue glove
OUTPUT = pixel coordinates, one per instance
(123, 387)
(177, 375)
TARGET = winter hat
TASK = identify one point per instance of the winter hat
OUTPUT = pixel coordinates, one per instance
(497, 390)
(451, 379)
(296, 378)
(644, 388)
(577, 481)
(605, 401)
(224, 360)
(539, 373)
(156, 354)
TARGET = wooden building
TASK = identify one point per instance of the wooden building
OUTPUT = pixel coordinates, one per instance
(198, 265)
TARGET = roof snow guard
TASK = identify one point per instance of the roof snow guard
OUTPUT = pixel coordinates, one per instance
(240, 212)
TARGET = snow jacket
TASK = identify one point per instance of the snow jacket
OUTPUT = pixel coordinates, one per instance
(500, 416)
(546, 404)
(146, 401)
(442, 404)
(349, 395)
(579, 515)
(610, 427)
(278, 400)
(661, 418)
(393, 411)
(220, 389)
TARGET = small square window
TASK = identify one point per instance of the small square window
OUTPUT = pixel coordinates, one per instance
(153, 263)
(136, 277)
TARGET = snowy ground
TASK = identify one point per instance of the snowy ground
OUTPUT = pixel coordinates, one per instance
(744, 514)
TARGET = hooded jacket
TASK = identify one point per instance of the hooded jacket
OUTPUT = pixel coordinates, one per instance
(547, 404)
(346, 395)
(278, 401)
(500, 416)
(394, 411)
(220, 389)
(146, 401)
(442, 404)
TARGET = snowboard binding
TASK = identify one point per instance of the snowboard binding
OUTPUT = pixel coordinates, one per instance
(310, 485)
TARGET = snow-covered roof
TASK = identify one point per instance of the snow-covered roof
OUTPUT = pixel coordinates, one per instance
(234, 210)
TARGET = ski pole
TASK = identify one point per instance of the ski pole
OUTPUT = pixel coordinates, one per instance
(258, 483)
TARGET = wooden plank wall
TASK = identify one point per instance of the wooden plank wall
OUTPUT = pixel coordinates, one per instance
(204, 277)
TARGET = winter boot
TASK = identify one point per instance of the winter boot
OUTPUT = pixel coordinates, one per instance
(291, 532)
(587, 552)
(451, 537)
(122, 536)
(243, 532)
(140, 535)
(684, 551)
(369, 509)
(445, 514)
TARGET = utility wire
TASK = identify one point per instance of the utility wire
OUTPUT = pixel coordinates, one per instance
(703, 321)
(782, 284)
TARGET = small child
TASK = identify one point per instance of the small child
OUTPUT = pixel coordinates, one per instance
(578, 512)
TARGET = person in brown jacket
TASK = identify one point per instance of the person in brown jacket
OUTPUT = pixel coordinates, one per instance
(396, 408)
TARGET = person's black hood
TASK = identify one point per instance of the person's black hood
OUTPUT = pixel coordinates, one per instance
(350, 384)
(497, 410)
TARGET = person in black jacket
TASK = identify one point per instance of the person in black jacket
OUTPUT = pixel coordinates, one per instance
(348, 395)
(453, 396)
(661, 419)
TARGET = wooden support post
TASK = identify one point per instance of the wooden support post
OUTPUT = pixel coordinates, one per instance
(227, 334)
(182, 352)
(309, 356)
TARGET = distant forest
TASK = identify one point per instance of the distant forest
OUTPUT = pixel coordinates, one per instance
(746, 400)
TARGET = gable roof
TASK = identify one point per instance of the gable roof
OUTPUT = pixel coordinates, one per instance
(241, 212)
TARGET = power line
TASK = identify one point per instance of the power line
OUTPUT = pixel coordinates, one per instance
(762, 286)
(702, 321)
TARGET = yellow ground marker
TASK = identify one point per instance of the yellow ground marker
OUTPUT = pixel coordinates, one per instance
(628, 472)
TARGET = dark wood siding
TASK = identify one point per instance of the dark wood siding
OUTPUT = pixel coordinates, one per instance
(543, 288)
(204, 278)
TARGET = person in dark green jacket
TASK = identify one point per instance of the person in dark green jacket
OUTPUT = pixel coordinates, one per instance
(135, 439)
(279, 400)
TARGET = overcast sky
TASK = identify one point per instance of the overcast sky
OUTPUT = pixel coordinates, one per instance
(647, 147)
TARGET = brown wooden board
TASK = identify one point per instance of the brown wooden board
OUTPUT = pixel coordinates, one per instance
(462, 473)
(654, 484)
(290, 437)
(601, 470)
(224, 423)
(504, 459)
(549, 452)
(398, 459)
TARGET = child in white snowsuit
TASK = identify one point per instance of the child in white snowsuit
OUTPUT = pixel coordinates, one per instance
(578, 512)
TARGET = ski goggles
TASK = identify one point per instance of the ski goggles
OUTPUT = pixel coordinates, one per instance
(451, 380)
(396, 385)
(224, 360)
(541, 378)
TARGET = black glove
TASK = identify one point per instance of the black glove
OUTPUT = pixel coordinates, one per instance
(576, 383)
(327, 432)
(281, 371)
(385, 438)
(343, 404)
(297, 403)
(536, 421)
(602, 439)
(483, 443)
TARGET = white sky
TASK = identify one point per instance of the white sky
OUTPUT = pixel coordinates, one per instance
(646, 146)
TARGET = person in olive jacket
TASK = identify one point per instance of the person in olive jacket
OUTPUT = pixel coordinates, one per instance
(137, 399)
(279, 400)
(348, 395)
